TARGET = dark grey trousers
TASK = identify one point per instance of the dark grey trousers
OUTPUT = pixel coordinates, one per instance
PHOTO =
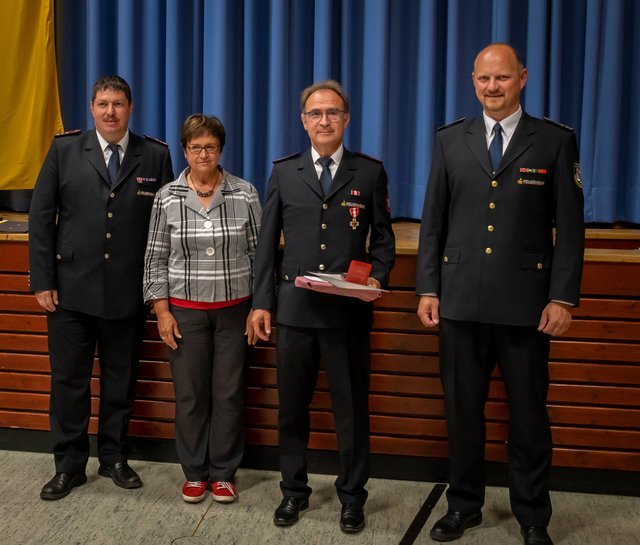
(208, 378)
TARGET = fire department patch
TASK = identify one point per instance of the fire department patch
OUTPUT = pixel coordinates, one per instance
(577, 177)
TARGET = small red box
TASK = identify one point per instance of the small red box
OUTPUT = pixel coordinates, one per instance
(358, 272)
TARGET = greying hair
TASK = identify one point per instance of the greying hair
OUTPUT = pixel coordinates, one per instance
(329, 84)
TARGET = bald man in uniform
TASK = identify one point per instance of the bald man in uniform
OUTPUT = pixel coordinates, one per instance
(499, 286)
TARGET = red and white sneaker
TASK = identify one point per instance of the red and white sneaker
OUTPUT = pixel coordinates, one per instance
(194, 491)
(224, 492)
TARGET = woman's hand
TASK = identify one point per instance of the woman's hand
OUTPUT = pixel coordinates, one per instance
(167, 325)
(248, 331)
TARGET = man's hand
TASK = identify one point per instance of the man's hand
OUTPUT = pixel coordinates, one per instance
(428, 310)
(373, 283)
(260, 328)
(47, 299)
(555, 319)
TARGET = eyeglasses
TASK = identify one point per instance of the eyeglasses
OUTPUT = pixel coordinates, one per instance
(333, 115)
(209, 148)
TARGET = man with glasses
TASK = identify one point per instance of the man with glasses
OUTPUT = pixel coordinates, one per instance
(88, 227)
(326, 201)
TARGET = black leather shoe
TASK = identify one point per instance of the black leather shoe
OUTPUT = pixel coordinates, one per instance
(288, 512)
(351, 518)
(61, 485)
(122, 475)
(535, 535)
(453, 525)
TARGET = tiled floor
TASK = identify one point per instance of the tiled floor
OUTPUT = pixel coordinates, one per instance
(99, 513)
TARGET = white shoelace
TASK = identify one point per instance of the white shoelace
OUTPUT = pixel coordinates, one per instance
(225, 484)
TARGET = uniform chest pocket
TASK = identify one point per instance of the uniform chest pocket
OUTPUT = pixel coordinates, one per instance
(147, 189)
(356, 211)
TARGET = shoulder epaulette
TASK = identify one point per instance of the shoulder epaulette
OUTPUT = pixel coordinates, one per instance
(451, 124)
(566, 127)
(360, 154)
(287, 157)
(157, 141)
(68, 133)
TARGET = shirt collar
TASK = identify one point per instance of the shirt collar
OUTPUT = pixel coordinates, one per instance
(123, 143)
(508, 124)
(337, 155)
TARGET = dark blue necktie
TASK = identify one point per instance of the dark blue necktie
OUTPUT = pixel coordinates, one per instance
(114, 163)
(495, 149)
(325, 177)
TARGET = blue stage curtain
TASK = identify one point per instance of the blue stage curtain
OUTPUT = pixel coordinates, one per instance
(406, 65)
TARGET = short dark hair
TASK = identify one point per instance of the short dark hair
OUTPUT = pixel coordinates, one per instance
(199, 124)
(331, 85)
(112, 83)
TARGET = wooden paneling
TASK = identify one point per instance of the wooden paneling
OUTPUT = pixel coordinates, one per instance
(594, 395)
(14, 282)
(15, 257)
(602, 278)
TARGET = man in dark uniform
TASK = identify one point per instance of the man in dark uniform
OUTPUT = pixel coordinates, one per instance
(491, 275)
(326, 201)
(88, 226)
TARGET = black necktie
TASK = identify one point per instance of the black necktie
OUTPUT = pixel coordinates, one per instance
(495, 149)
(325, 177)
(114, 163)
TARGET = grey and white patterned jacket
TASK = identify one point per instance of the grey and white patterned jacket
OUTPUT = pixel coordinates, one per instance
(198, 254)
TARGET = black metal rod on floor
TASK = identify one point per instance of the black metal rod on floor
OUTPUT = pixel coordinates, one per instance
(423, 515)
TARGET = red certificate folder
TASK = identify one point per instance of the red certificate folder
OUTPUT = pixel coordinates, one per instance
(337, 285)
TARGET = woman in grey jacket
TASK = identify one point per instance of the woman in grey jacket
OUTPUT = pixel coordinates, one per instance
(199, 276)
